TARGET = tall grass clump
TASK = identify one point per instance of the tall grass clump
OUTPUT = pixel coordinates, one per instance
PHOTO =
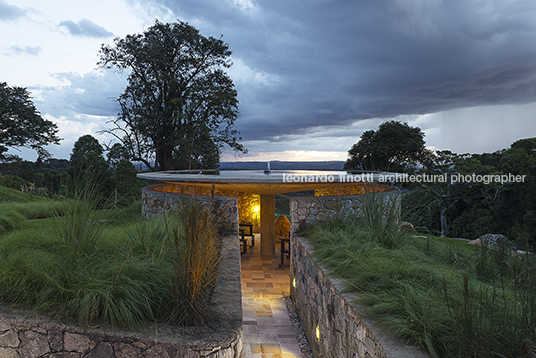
(10, 219)
(451, 298)
(381, 216)
(45, 208)
(495, 315)
(77, 230)
(81, 266)
(195, 250)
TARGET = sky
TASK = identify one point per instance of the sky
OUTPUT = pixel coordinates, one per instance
(311, 75)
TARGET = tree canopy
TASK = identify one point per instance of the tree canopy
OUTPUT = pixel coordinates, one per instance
(394, 146)
(88, 168)
(180, 106)
(21, 125)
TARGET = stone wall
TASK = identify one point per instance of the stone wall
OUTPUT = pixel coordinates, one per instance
(333, 322)
(307, 210)
(155, 202)
(31, 336)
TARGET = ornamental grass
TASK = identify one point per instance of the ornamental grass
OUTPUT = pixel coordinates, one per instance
(451, 298)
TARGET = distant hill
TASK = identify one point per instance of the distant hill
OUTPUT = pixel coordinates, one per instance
(275, 165)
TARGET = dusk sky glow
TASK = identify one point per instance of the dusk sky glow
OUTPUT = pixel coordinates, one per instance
(311, 75)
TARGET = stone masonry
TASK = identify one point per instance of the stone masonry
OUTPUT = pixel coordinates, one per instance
(308, 210)
(155, 202)
(24, 335)
(333, 321)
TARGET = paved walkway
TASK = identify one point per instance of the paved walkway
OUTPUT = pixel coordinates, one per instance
(268, 332)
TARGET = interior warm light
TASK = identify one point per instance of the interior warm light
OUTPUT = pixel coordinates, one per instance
(317, 333)
(256, 208)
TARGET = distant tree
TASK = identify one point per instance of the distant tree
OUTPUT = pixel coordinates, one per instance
(179, 107)
(21, 125)
(89, 168)
(116, 154)
(127, 185)
(61, 165)
(395, 146)
(27, 171)
(52, 181)
(87, 153)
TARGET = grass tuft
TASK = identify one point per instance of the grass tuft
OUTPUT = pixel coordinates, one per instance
(195, 252)
(110, 267)
(451, 298)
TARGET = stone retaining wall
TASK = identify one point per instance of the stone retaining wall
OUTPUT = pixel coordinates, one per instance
(307, 210)
(333, 323)
(155, 202)
(31, 336)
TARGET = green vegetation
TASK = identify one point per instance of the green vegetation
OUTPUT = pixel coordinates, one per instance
(461, 208)
(21, 123)
(12, 195)
(395, 147)
(192, 118)
(108, 266)
(195, 253)
(451, 298)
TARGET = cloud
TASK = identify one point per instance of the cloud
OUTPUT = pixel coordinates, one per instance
(86, 28)
(338, 62)
(10, 12)
(26, 50)
(89, 94)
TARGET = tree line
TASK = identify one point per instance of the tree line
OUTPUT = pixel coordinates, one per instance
(112, 179)
(459, 208)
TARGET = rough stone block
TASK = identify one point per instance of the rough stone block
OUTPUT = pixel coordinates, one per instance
(9, 353)
(156, 351)
(39, 329)
(33, 344)
(9, 339)
(4, 326)
(102, 350)
(63, 355)
(55, 340)
(123, 350)
(75, 342)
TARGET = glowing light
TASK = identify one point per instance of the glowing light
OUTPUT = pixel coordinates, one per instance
(317, 332)
(256, 208)
(294, 283)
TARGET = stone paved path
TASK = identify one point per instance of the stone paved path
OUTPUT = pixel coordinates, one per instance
(268, 332)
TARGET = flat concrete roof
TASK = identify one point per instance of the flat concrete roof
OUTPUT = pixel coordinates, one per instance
(266, 182)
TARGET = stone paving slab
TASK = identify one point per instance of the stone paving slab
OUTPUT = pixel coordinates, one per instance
(268, 332)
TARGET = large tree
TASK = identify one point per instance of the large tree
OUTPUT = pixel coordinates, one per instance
(21, 125)
(395, 146)
(180, 106)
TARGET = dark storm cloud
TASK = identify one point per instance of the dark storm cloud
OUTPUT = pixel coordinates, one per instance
(10, 12)
(334, 62)
(86, 28)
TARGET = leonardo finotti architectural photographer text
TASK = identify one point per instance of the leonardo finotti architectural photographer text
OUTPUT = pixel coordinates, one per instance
(405, 178)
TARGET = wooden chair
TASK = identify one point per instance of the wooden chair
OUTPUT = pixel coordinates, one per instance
(242, 227)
